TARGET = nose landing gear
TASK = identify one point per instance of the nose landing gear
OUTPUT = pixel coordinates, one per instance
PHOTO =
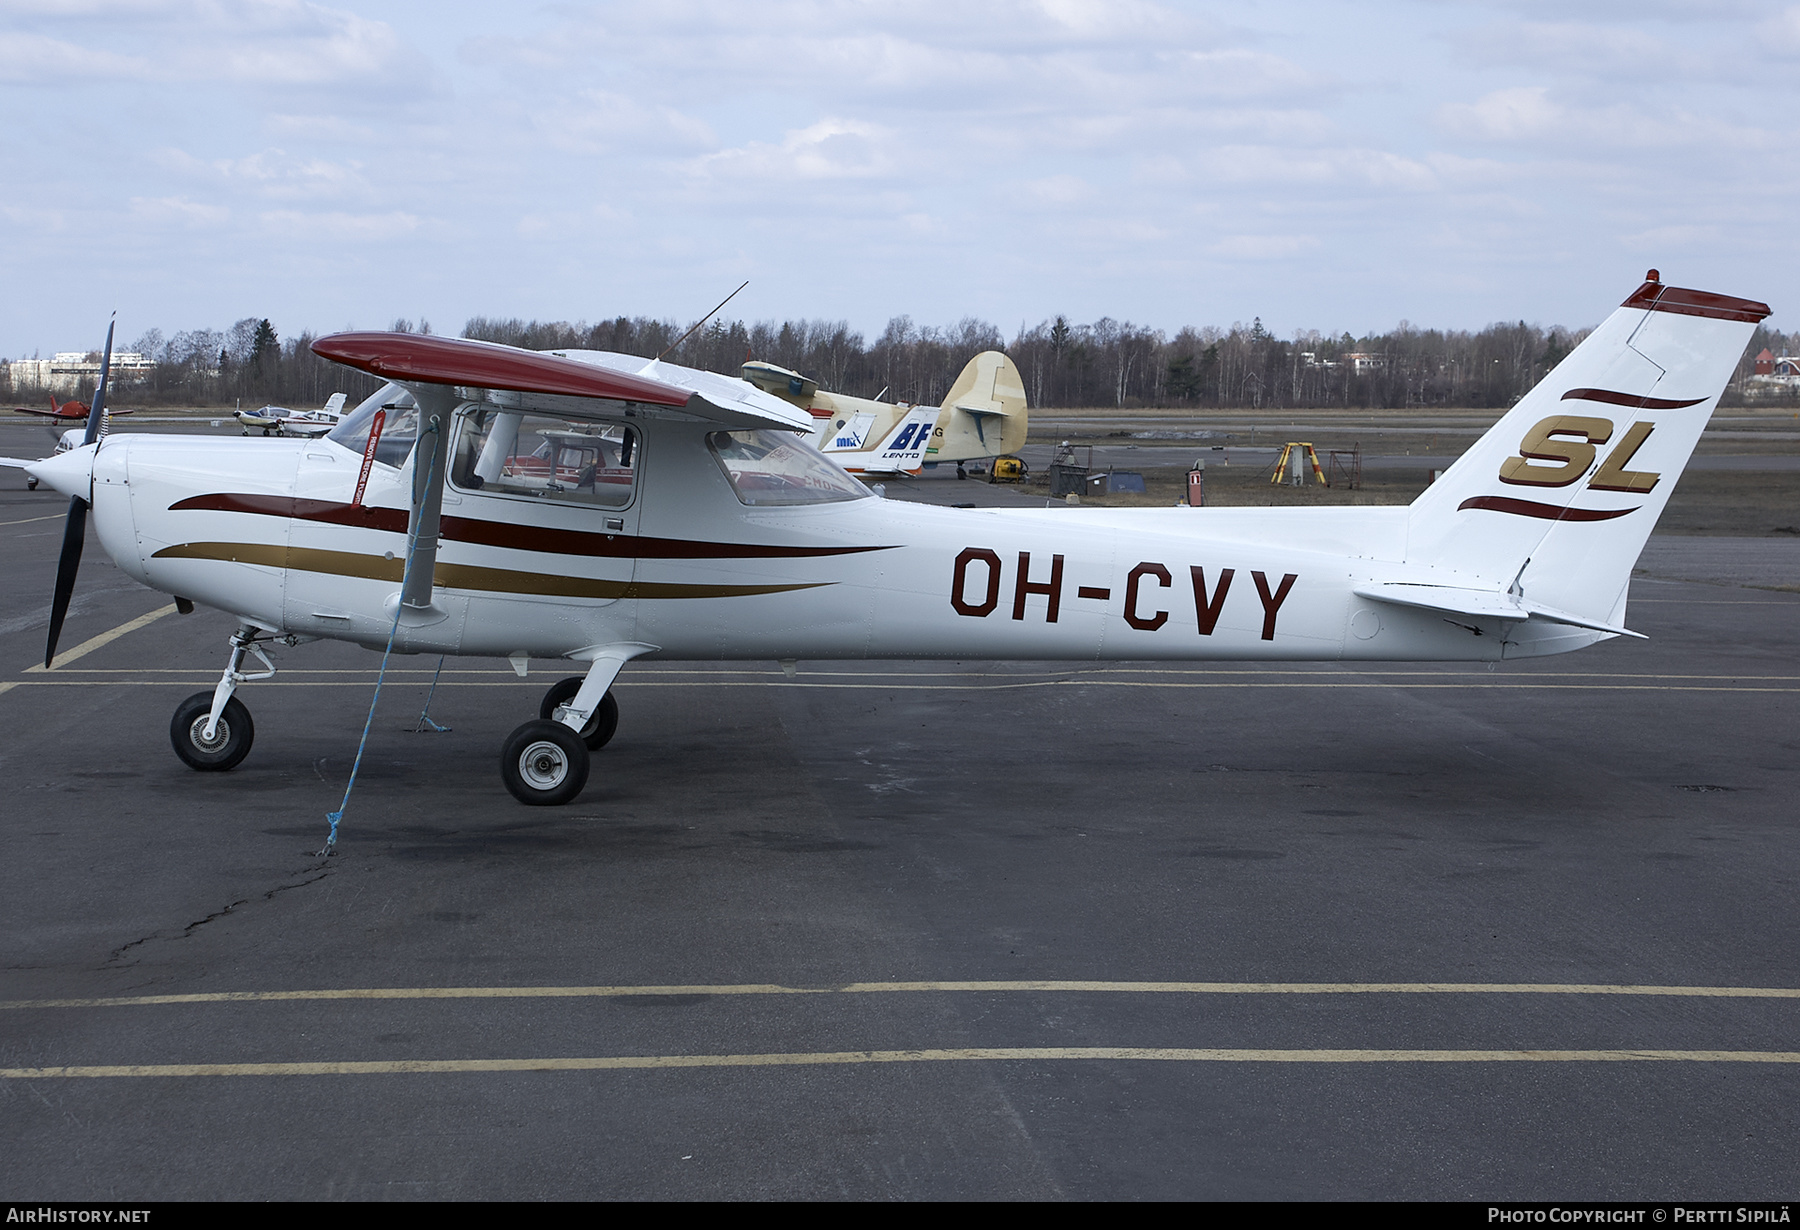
(212, 731)
(230, 740)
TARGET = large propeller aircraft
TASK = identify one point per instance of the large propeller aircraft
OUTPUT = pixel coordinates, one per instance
(593, 508)
(983, 415)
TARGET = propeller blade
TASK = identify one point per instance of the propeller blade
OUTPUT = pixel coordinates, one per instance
(75, 529)
(74, 537)
(98, 409)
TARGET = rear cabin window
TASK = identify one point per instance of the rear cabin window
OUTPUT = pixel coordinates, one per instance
(777, 467)
(507, 452)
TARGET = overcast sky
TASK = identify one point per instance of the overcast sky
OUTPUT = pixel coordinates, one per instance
(1338, 166)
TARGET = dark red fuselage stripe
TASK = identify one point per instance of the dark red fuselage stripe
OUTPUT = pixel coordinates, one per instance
(1548, 512)
(1632, 400)
(503, 534)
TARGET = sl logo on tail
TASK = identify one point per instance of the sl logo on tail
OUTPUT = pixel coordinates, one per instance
(1572, 454)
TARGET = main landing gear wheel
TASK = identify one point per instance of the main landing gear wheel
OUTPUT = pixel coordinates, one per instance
(231, 739)
(600, 727)
(544, 764)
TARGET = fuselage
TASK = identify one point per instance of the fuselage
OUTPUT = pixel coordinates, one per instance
(271, 531)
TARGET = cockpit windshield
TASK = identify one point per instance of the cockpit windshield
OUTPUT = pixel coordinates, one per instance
(399, 425)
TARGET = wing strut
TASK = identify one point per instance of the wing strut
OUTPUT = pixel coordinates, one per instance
(436, 404)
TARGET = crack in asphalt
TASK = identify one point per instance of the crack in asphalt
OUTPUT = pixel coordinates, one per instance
(119, 952)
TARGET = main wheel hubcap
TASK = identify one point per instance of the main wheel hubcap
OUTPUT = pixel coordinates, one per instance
(543, 765)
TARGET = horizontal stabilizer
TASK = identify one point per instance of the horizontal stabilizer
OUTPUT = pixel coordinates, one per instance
(903, 452)
(1480, 604)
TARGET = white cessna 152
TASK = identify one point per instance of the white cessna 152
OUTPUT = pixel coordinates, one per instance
(493, 501)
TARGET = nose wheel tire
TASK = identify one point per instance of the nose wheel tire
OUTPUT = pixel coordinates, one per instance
(231, 738)
(600, 727)
(544, 764)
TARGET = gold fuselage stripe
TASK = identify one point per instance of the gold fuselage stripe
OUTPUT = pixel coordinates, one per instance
(458, 576)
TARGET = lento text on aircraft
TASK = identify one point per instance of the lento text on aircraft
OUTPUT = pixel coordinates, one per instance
(977, 582)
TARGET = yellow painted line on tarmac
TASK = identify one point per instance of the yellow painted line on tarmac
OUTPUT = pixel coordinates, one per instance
(1012, 986)
(105, 638)
(990, 1054)
(971, 687)
(656, 672)
(29, 520)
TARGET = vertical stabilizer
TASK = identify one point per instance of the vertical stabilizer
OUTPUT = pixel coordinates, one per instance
(984, 414)
(1557, 499)
(1555, 502)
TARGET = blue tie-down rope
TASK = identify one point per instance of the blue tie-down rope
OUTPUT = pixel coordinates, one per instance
(425, 713)
(336, 817)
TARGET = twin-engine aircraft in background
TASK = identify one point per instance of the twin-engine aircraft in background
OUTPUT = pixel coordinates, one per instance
(594, 509)
(983, 415)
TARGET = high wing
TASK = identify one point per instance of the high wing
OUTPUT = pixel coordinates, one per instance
(578, 384)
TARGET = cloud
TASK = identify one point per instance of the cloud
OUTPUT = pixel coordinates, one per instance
(1530, 115)
(1780, 32)
(1268, 164)
(599, 121)
(1261, 247)
(250, 42)
(178, 210)
(1581, 49)
(339, 227)
(274, 173)
(37, 59)
(832, 149)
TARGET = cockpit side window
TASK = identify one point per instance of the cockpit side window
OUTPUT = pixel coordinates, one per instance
(510, 452)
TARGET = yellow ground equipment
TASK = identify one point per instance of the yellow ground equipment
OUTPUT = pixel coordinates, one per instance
(1007, 469)
(1296, 456)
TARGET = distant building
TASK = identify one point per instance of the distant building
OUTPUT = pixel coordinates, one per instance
(71, 370)
(1774, 376)
(1360, 363)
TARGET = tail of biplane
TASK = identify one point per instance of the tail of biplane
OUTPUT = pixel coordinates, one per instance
(1552, 506)
(984, 414)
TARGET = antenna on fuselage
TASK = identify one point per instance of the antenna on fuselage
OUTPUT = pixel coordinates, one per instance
(684, 337)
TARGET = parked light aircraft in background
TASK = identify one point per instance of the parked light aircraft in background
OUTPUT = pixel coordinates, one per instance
(73, 410)
(983, 415)
(280, 421)
(595, 509)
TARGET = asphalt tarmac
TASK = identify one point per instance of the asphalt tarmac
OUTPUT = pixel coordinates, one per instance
(936, 930)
